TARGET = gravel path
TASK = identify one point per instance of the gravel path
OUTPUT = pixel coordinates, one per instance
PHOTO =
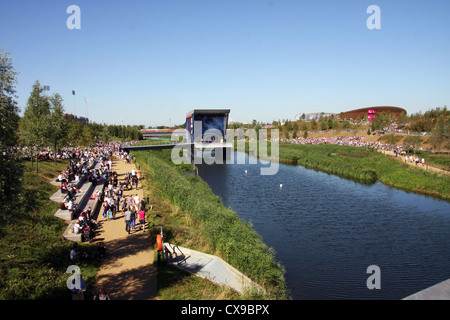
(128, 272)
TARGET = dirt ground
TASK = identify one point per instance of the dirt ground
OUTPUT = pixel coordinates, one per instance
(128, 272)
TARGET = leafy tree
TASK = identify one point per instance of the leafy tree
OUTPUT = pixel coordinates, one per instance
(11, 171)
(57, 122)
(440, 135)
(330, 122)
(414, 141)
(74, 132)
(87, 136)
(35, 127)
(305, 134)
(105, 136)
(345, 125)
(304, 126)
(313, 124)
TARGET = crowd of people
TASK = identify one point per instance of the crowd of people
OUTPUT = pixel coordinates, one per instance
(131, 206)
(354, 141)
(113, 200)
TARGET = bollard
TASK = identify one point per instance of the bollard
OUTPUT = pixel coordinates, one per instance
(159, 245)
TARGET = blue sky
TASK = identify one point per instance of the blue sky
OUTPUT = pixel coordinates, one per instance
(151, 62)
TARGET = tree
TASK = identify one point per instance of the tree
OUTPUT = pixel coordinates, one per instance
(74, 132)
(304, 126)
(35, 126)
(440, 135)
(105, 135)
(11, 171)
(305, 134)
(57, 122)
(413, 141)
(87, 136)
(313, 124)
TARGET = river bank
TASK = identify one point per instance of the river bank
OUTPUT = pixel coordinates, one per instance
(198, 220)
(366, 166)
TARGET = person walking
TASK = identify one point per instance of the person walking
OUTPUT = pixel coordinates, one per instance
(128, 215)
(137, 202)
(135, 180)
(141, 215)
(133, 218)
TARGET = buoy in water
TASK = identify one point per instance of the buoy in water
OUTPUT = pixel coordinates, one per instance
(281, 186)
(245, 171)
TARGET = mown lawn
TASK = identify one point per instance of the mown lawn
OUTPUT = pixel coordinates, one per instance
(33, 254)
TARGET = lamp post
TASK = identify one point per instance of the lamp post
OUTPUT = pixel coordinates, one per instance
(73, 92)
(86, 106)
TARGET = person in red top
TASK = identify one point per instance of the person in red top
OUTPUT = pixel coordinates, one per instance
(141, 215)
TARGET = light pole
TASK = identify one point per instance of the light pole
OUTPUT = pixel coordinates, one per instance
(86, 106)
(73, 92)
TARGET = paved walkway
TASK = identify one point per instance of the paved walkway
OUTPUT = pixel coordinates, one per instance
(424, 167)
(128, 272)
(210, 267)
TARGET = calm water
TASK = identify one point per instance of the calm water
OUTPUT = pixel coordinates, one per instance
(327, 230)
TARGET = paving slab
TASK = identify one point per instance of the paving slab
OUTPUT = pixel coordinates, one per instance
(210, 267)
(440, 291)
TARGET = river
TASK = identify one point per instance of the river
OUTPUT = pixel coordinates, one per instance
(327, 230)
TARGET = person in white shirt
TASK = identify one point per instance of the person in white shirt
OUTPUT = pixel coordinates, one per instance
(76, 227)
(137, 202)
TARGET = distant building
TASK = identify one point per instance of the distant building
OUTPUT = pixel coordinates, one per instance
(68, 116)
(370, 113)
(152, 133)
(212, 122)
(309, 116)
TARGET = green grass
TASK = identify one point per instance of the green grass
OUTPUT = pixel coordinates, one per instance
(33, 254)
(192, 216)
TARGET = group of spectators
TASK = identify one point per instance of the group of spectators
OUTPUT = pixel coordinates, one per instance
(131, 206)
(356, 141)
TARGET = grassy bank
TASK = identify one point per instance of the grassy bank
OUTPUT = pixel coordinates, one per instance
(366, 166)
(33, 254)
(199, 220)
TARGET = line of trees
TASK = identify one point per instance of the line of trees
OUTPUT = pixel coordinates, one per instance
(43, 125)
(11, 170)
